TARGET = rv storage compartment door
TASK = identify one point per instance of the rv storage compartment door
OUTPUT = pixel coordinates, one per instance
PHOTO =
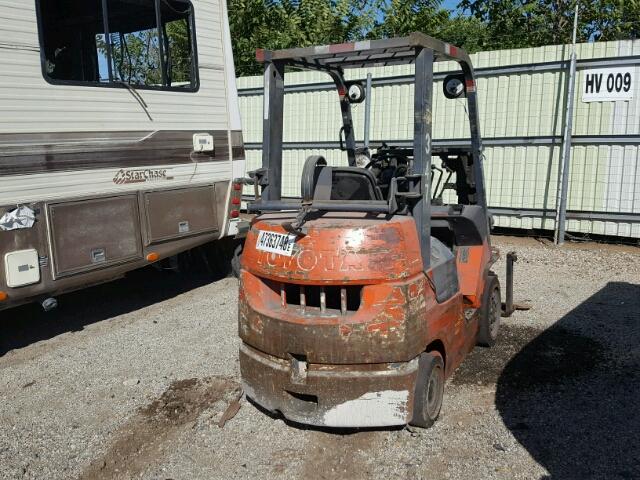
(179, 213)
(92, 234)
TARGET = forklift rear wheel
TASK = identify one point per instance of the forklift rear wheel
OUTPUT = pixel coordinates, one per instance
(429, 390)
(490, 313)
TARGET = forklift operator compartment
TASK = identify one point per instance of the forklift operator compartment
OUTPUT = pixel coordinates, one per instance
(359, 299)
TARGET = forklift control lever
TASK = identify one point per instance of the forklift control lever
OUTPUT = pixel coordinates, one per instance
(296, 227)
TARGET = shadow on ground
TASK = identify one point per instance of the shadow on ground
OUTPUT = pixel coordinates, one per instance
(22, 326)
(571, 395)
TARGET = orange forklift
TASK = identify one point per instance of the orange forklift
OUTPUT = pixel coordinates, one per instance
(360, 298)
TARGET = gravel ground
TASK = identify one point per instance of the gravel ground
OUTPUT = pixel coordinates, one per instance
(130, 380)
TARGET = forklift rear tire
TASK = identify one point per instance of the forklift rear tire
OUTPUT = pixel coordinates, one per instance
(429, 390)
(490, 313)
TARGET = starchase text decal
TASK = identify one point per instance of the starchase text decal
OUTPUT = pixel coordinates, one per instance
(125, 176)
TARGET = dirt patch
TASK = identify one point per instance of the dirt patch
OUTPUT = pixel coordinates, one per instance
(333, 456)
(143, 439)
(534, 357)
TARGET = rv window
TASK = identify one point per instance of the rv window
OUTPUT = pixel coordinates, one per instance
(135, 44)
(72, 32)
(177, 48)
(143, 43)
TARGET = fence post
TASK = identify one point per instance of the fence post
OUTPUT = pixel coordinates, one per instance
(367, 113)
(565, 160)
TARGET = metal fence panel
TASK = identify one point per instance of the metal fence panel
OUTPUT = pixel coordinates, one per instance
(521, 101)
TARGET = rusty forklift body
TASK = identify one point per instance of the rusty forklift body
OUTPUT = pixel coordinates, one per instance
(359, 299)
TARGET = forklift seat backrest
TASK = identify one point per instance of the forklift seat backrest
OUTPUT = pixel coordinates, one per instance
(461, 225)
(310, 173)
(321, 182)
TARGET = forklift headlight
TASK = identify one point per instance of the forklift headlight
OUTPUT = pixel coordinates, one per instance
(355, 92)
(453, 86)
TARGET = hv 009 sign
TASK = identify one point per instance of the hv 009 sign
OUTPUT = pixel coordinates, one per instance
(608, 84)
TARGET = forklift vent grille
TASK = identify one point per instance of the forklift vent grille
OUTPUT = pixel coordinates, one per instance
(319, 299)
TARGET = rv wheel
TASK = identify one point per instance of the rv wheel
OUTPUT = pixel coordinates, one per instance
(490, 313)
(220, 256)
(429, 390)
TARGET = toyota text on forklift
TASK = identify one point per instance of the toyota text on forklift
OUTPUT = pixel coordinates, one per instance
(358, 300)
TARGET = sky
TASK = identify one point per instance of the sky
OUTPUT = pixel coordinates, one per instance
(450, 4)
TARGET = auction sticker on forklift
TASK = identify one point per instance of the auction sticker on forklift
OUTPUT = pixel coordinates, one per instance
(280, 243)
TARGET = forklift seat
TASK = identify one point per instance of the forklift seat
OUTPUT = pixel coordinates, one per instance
(322, 182)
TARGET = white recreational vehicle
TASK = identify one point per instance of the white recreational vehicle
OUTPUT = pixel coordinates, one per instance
(120, 138)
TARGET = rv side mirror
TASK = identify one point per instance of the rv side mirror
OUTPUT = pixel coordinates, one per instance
(453, 86)
(355, 92)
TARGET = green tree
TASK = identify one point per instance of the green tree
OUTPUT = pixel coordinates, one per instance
(401, 17)
(278, 24)
(528, 23)
(469, 33)
(492, 24)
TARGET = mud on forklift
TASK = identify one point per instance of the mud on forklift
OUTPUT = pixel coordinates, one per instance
(358, 300)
